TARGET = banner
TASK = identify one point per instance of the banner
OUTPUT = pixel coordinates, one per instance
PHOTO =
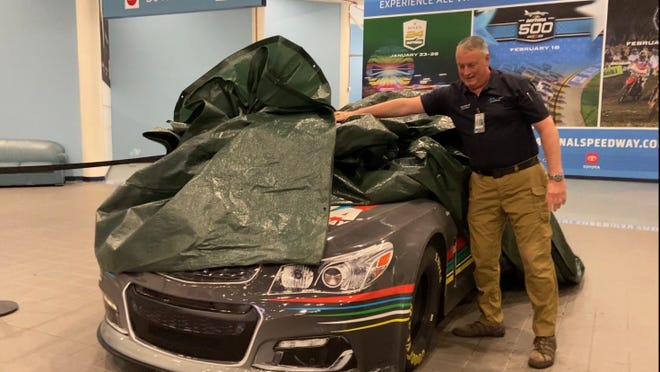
(607, 116)
(411, 52)
(137, 8)
(608, 153)
(374, 8)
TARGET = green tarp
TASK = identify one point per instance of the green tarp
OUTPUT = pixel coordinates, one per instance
(397, 159)
(250, 176)
(254, 159)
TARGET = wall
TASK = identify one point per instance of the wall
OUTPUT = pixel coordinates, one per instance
(152, 59)
(315, 26)
(96, 122)
(355, 81)
(39, 98)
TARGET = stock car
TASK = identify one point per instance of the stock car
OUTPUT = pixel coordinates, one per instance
(389, 273)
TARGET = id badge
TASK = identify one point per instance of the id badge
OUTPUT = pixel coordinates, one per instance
(479, 122)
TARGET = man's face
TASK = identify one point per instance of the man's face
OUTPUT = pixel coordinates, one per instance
(473, 68)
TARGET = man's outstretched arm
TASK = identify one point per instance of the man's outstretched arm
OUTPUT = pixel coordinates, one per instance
(392, 108)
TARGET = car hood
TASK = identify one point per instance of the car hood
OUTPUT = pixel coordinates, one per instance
(351, 227)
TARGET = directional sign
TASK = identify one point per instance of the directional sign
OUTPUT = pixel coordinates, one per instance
(137, 8)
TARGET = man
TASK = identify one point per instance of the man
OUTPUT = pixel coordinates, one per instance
(653, 61)
(494, 113)
(641, 68)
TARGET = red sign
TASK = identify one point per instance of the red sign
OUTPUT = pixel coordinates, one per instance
(591, 158)
(131, 4)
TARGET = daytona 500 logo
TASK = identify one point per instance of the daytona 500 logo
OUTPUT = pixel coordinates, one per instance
(536, 26)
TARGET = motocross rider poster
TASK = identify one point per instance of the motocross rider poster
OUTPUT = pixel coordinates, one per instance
(630, 74)
(565, 48)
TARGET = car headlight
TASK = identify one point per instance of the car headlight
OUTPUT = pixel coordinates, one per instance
(348, 272)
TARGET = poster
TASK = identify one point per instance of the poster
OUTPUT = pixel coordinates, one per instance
(630, 74)
(105, 48)
(577, 54)
(553, 45)
(412, 52)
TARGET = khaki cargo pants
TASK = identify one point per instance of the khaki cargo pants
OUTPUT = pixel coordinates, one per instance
(521, 198)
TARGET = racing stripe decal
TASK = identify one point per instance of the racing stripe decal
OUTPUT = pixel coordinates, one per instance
(463, 259)
(374, 303)
(402, 305)
(360, 311)
(398, 290)
(461, 266)
(374, 317)
(397, 320)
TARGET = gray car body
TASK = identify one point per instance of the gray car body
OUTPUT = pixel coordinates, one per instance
(375, 341)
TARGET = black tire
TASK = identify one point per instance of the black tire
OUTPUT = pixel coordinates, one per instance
(653, 104)
(425, 308)
(624, 93)
(636, 91)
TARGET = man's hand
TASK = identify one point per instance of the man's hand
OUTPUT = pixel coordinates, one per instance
(341, 116)
(556, 196)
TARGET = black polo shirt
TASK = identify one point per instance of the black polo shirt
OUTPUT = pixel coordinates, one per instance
(510, 104)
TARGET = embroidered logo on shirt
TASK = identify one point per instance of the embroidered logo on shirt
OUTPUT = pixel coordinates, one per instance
(465, 107)
(494, 99)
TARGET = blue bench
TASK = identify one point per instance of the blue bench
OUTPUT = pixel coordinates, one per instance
(30, 152)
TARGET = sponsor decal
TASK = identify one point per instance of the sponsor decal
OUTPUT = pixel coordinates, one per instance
(591, 161)
(613, 70)
(131, 4)
(414, 34)
(591, 158)
(340, 215)
(536, 26)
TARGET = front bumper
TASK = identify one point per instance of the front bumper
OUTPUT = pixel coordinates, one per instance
(125, 347)
(262, 336)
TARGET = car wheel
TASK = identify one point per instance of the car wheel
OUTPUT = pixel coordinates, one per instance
(624, 93)
(425, 307)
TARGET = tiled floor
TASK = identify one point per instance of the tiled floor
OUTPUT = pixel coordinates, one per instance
(609, 323)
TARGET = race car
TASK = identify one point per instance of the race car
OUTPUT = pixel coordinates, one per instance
(389, 272)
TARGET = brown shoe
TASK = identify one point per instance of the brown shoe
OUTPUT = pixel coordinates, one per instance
(543, 355)
(478, 329)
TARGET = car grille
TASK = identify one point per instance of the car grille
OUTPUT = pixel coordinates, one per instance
(198, 329)
(220, 275)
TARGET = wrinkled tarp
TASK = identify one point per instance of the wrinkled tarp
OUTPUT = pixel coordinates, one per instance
(395, 159)
(251, 172)
(248, 169)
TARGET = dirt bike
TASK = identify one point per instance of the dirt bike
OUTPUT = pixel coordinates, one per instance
(632, 87)
(653, 103)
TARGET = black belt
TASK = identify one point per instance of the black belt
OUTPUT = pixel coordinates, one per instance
(500, 172)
